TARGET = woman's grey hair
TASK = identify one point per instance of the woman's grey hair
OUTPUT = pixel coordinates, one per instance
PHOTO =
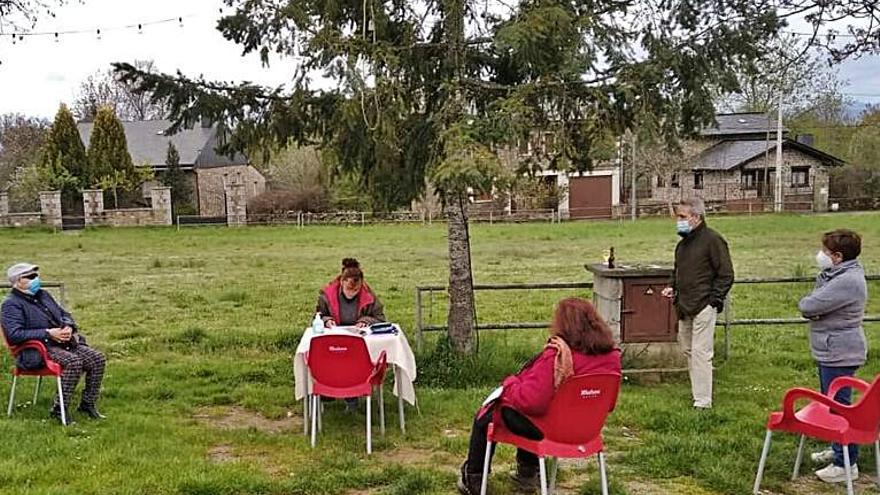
(696, 205)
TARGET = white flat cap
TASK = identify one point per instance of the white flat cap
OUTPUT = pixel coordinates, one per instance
(17, 270)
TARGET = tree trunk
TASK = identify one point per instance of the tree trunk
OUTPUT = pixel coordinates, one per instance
(461, 285)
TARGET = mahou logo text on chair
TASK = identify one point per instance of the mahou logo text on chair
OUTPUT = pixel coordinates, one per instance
(590, 393)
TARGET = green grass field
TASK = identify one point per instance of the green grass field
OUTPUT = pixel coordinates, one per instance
(199, 326)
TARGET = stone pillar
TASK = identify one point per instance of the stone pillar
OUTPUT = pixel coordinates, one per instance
(50, 207)
(820, 183)
(4, 208)
(160, 198)
(236, 203)
(93, 206)
(562, 183)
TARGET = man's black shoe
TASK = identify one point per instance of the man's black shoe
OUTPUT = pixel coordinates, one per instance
(469, 483)
(56, 413)
(526, 478)
(90, 410)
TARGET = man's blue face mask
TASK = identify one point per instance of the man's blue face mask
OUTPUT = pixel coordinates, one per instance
(35, 285)
(683, 227)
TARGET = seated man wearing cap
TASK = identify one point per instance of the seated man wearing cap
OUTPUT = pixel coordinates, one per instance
(30, 313)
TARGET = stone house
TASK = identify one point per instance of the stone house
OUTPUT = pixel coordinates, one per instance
(571, 195)
(734, 165)
(207, 171)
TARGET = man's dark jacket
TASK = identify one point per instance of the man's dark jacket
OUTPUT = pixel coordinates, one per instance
(703, 272)
(26, 317)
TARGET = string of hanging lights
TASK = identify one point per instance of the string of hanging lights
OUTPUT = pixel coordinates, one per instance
(98, 31)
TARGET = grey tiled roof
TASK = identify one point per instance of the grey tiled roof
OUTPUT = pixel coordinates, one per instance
(147, 144)
(730, 154)
(733, 124)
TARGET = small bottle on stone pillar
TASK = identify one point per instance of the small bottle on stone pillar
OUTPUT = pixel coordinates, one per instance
(611, 257)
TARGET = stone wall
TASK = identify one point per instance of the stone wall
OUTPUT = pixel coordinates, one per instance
(22, 220)
(212, 182)
(158, 214)
(50, 214)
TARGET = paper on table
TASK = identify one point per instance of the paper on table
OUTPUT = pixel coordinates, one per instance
(495, 395)
(346, 328)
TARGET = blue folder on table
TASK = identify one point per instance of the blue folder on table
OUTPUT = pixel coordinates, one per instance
(383, 328)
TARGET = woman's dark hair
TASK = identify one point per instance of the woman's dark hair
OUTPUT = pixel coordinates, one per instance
(843, 241)
(581, 327)
(351, 269)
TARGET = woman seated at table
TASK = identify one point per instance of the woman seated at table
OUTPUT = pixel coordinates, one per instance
(348, 301)
(580, 343)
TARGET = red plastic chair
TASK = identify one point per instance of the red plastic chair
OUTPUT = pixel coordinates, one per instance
(824, 419)
(341, 367)
(572, 426)
(51, 368)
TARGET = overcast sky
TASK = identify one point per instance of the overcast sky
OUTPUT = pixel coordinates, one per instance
(39, 73)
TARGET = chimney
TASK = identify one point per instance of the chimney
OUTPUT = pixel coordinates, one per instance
(806, 139)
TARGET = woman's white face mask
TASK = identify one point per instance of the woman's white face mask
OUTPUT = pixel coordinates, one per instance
(823, 260)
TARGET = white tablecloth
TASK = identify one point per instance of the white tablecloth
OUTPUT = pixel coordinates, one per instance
(397, 351)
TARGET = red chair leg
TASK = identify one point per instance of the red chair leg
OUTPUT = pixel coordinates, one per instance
(762, 462)
(798, 458)
(603, 476)
(37, 389)
(11, 396)
(61, 403)
(369, 425)
(877, 460)
(542, 468)
(314, 406)
(848, 466)
(484, 483)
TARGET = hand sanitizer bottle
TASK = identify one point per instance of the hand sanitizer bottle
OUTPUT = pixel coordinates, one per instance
(317, 324)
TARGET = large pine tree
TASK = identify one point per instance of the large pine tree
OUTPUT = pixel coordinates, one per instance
(432, 90)
(175, 178)
(108, 155)
(64, 152)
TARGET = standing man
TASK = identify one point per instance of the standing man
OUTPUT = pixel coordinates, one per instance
(30, 313)
(701, 278)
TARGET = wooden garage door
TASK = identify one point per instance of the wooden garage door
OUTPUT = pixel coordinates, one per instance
(589, 197)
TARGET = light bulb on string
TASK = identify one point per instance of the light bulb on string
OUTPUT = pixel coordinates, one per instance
(98, 35)
(140, 29)
(180, 21)
(56, 37)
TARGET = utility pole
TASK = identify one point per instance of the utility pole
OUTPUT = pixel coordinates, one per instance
(632, 194)
(778, 207)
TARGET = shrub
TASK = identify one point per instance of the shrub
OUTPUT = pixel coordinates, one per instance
(278, 201)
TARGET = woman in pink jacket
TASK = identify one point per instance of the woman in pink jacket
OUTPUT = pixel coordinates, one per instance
(580, 343)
